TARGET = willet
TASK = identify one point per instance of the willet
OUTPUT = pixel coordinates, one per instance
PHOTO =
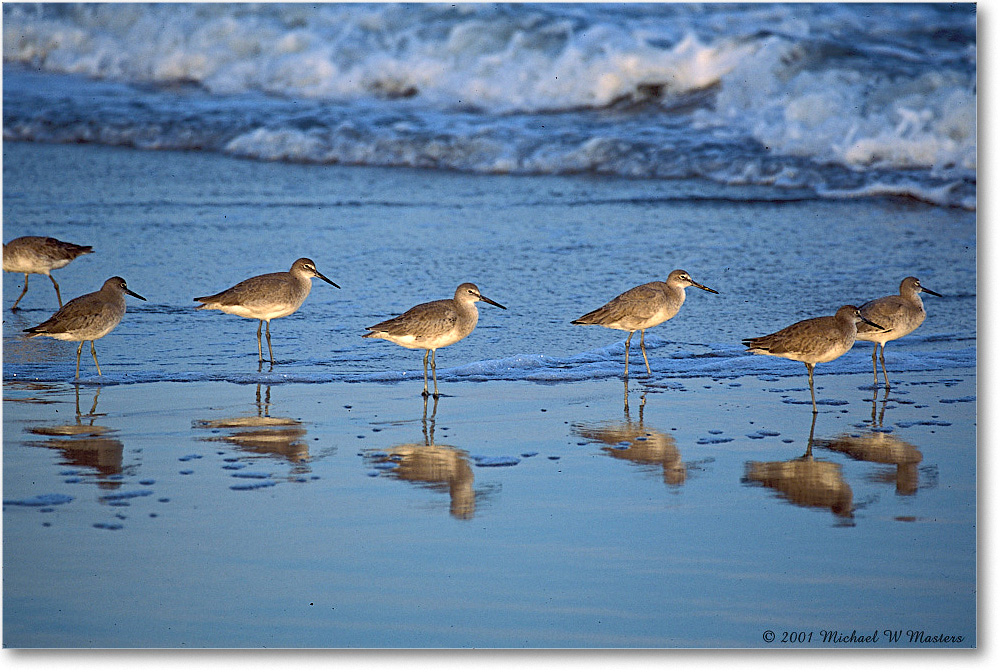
(813, 341)
(899, 314)
(39, 254)
(434, 325)
(643, 307)
(88, 318)
(266, 297)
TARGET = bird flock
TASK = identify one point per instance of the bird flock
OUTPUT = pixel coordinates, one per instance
(436, 324)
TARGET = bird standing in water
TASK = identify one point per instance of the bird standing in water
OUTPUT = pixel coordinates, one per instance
(88, 318)
(267, 297)
(39, 254)
(813, 341)
(433, 325)
(643, 307)
(899, 314)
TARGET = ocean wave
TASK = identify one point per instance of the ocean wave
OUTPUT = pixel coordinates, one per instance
(851, 117)
(502, 58)
(792, 96)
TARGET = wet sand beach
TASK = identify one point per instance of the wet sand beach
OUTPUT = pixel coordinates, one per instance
(512, 515)
(540, 502)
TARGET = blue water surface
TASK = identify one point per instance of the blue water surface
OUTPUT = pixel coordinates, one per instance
(823, 100)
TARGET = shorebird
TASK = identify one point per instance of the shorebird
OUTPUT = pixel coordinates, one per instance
(266, 297)
(87, 318)
(39, 254)
(643, 307)
(899, 314)
(813, 341)
(433, 325)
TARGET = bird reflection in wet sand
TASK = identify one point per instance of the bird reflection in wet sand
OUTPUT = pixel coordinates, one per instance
(880, 447)
(635, 442)
(805, 481)
(435, 466)
(262, 433)
(84, 444)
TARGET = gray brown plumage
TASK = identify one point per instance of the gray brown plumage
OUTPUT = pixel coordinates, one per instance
(899, 314)
(643, 307)
(39, 254)
(87, 318)
(813, 341)
(267, 297)
(433, 325)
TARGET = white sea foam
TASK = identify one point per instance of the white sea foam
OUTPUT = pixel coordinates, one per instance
(724, 362)
(671, 91)
(849, 117)
(501, 63)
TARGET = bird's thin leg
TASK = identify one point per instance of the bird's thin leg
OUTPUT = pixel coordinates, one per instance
(56, 285)
(434, 371)
(812, 391)
(874, 364)
(627, 342)
(642, 346)
(882, 358)
(260, 351)
(269, 350)
(23, 292)
(93, 351)
(79, 349)
(427, 353)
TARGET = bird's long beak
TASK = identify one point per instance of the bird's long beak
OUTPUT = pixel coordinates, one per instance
(129, 291)
(323, 277)
(877, 326)
(707, 289)
(491, 302)
(929, 291)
